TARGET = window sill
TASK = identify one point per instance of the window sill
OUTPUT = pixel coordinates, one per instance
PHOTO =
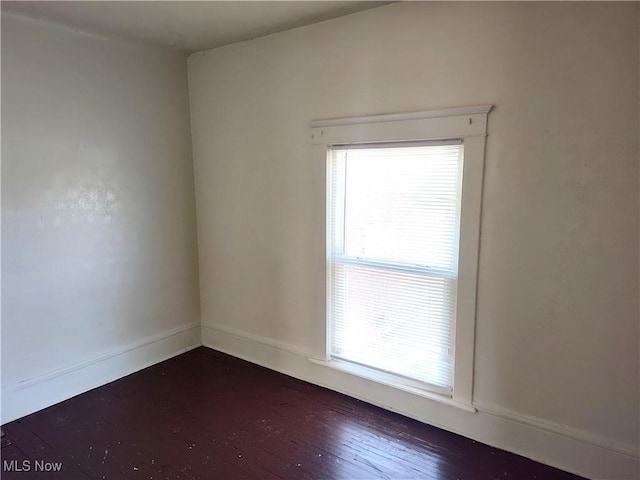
(390, 381)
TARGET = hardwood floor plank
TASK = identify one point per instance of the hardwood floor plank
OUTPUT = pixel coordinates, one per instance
(206, 415)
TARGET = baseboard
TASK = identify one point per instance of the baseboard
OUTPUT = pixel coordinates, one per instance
(552, 427)
(566, 448)
(41, 392)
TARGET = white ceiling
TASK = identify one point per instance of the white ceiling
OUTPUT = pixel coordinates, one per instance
(187, 26)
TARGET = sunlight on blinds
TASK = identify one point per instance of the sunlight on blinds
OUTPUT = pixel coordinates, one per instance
(393, 257)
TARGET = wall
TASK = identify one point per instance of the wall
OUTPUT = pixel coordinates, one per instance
(556, 360)
(99, 268)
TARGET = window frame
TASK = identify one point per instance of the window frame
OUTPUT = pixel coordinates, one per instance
(467, 124)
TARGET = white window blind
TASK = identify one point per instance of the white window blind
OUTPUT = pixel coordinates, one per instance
(394, 218)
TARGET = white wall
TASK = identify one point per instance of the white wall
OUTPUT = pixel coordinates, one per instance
(99, 270)
(556, 363)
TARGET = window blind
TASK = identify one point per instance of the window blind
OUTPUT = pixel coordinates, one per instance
(394, 216)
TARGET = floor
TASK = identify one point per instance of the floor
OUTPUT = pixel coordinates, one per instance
(206, 415)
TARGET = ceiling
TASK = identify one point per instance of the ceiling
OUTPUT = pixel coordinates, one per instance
(187, 26)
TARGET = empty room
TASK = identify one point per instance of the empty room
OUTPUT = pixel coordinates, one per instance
(344, 240)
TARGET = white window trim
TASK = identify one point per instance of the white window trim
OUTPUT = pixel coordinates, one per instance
(468, 124)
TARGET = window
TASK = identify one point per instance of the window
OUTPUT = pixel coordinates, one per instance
(402, 220)
(393, 258)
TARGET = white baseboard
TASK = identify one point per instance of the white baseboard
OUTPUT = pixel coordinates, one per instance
(41, 392)
(560, 446)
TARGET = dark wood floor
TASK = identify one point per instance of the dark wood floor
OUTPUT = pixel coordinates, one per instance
(206, 415)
